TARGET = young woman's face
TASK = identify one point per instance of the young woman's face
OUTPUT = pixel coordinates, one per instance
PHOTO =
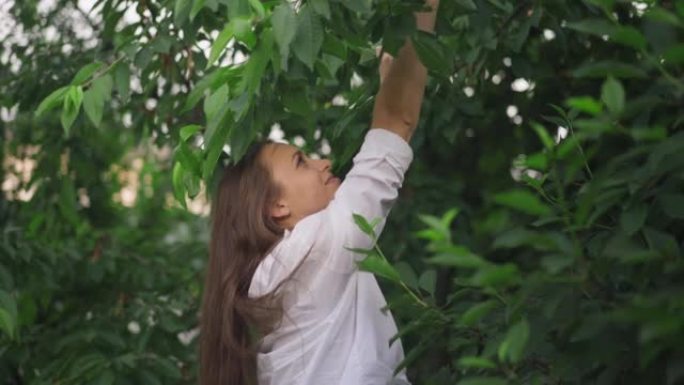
(307, 185)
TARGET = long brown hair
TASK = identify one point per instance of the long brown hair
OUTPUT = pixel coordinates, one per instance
(242, 233)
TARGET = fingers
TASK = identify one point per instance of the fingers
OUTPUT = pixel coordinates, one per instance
(385, 63)
(433, 4)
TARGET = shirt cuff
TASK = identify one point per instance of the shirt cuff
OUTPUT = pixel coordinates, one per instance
(383, 143)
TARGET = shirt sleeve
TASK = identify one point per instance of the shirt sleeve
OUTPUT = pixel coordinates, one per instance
(370, 189)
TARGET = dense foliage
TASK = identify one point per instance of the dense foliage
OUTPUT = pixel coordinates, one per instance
(538, 237)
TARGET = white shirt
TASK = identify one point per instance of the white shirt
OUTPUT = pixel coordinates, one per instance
(334, 331)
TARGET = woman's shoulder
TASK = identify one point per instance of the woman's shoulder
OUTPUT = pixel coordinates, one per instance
(308, 234)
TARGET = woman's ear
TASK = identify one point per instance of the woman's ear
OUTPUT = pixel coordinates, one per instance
(280, 210)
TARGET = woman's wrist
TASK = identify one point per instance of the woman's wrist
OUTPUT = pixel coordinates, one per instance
(425, 21)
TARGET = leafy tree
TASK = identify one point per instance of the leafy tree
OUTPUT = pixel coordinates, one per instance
(537, 238)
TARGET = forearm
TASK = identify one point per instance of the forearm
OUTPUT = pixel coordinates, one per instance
(398, 102)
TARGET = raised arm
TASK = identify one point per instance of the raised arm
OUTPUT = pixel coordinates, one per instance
(398, 102)
(372, 185)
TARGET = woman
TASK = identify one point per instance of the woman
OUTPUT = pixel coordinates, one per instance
(283, 301)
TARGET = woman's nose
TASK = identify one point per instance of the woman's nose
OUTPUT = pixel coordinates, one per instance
(324, 164)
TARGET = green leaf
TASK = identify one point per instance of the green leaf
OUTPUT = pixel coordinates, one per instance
(188, 131)
(476, 312)
(7, 324)
(258, 62)
(214, 149)
(321, 7)
(543, 135)
(513, 345)
(92, 107)
(601, 69)
(178, 185)
(242, 135)
(432, 53)
(458, 256)
(161, 44)
(594, 127)
(214, 104)
(665, 244)
(482, 381)
(197, 6)
(191, 181)
(468, 5)
(6, 279)
(166, 367)
(243, 32)
(476, 362)
(238, 8)
(625, 35)
(673, 205)
(633, 219)
(8, 314)
(149, 378)
(51, 101)
(645, 134)
(96, 97)
(598, 27)
(523, 201)
(309, 38)
(516, 237)
(335, 47)
(122, 79)
(361, 6)
(555, 263)
(85, 73)
(106, 377)
(214, 79)
(537, 161)
(613, 95)
(415, 353)
(181, 11)
(439, 230)
(428, 280)
(144, 57)
(284, 22)
(220, 44)
(449, 216)
(629, 36)
(585, 104)
(605, 5)
(258, 8)
(364, 225)
(674, 55)
(377, 265)
(406, 274)
(188, 158)
(71, 107)
(662, 15)
(496, 276)
(517, 39)
(361, 251)
(239, 106)
(627, 251)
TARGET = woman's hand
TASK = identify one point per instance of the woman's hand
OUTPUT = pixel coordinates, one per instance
(385, 64)
(402, 83)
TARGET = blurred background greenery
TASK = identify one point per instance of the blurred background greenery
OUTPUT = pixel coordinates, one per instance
(539, 230)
